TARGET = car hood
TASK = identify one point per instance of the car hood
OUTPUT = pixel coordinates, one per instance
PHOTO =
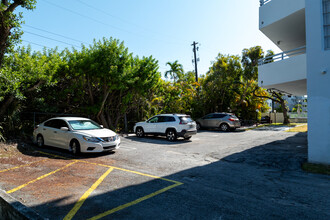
(141, 123)
(97, 132)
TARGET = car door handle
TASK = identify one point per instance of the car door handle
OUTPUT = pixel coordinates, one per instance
(55, 131)
(44, 129)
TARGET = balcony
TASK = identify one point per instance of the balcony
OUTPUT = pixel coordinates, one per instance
(283, 22)
(285, 71)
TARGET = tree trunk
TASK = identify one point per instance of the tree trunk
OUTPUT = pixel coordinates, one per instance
(285, 113)
(6, 104)
(91, 98)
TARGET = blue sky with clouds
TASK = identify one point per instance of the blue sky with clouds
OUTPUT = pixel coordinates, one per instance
(164, 29)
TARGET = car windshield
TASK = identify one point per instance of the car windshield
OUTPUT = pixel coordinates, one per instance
(84, 125)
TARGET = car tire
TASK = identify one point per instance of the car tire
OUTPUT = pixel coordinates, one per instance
(139, 132)
(171, 135)
(40, 141)
(198, 126)
(75, 147)
(224, 127)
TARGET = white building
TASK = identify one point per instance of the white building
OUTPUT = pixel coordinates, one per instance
(301, 28)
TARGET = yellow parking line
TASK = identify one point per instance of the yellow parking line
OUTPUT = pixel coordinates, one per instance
(134, 202)
(54, 155)
(21, 166)
(39, 178)
(143, 174)
(82, 199)
(118, 168)
(80, 202)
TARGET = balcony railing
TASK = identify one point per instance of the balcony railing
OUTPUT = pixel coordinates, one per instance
(263, 2)
(282, 56)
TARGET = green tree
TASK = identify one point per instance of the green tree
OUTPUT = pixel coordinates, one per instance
(106, 80)
(219, 84)
(22, 77)
(176, 71)
(10, 24)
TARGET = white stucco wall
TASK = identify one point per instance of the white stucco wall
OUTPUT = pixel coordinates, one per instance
(274, 10)
(288, 70)
(318, 85)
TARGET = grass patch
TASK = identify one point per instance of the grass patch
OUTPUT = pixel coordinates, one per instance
(316, 168)
(300, 128)
(291, 125)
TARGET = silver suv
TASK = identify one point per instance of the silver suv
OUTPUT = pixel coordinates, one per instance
(224, 121)
(170, 125)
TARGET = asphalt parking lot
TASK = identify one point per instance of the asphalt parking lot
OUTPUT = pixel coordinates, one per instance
(251, 174)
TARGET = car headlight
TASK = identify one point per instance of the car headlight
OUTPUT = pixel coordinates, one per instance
(92, 139)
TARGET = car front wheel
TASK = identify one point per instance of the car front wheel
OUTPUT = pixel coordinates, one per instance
(139, 132)
(171, 135)
(40, 141)
(75, 147)
(198, 126)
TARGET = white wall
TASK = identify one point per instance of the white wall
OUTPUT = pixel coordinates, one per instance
(291, 69)
(274, 10)
(318, 85)
(286, 75)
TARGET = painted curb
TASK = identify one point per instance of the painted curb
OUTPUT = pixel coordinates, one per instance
(12, 209)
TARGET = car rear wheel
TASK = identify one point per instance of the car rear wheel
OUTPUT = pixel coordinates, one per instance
(40, 141)
(139, 132)
(75, 147)
(224, 127)
(198, 126)
(171, 135)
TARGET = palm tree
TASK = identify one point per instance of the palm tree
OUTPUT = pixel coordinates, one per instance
(176, 71)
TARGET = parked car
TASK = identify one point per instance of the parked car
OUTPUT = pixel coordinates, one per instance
(265, 120)
(170, 125)
(76, 135)
(224, 121)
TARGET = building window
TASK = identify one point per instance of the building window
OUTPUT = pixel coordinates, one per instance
(326, 23)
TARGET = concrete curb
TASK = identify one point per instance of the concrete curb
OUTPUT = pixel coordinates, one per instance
(12, 209)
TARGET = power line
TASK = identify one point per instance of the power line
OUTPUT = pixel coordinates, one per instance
(36, 44)
(128, 22)
(103, 23)
(85, 16)
(69, 38)
(52, 39)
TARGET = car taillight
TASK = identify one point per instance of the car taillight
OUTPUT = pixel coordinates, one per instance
(231, 119)
(183, 122)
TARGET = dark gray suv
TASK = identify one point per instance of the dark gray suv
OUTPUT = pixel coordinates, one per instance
(223, 121)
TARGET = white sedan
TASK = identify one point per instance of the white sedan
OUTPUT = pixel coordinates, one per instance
(75, 134)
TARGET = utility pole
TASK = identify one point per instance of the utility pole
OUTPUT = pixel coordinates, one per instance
(195, 59)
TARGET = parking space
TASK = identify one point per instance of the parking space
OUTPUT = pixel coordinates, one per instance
(252, 174)
(72, 184)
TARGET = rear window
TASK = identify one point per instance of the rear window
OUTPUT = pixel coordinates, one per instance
(233, 116)
(185, 119)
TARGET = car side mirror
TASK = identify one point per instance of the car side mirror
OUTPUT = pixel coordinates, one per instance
(64, 128)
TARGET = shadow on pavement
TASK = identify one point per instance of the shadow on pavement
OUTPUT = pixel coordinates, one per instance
(264, 182)
(151, 139)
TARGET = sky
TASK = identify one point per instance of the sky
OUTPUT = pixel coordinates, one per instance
(163, 29)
